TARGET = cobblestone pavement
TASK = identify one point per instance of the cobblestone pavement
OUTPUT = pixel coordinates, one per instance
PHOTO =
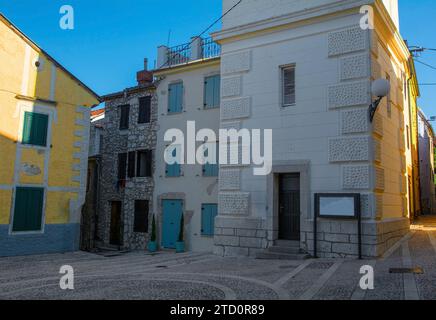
(198, 276)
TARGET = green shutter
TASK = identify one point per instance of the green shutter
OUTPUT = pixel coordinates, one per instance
(208, 214)
(35, 129)
(28, 209)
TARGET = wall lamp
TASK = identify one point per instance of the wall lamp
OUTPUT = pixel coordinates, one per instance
(379, 88)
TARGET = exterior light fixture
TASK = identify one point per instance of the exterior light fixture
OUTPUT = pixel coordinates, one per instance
(380, 88)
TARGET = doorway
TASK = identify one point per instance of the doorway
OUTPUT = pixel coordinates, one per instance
(172, 214)
(289, 206)
(115, 227)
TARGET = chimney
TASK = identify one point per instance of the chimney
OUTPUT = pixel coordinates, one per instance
(144, 77)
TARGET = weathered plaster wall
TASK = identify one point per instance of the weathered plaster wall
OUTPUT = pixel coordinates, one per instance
(59, 168)
(191, 186)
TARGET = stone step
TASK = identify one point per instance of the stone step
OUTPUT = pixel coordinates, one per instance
(265, 255)
(287, 243)
(280, 249)
(108, 248)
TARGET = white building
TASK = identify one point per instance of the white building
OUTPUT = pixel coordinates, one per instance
(188, 84)
(304, 69)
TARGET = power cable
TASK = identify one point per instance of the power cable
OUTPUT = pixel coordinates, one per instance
(425, 64)
(199, 36)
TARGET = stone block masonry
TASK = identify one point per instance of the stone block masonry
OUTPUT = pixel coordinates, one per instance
(236, 236)
(136, 137)
(338, 239)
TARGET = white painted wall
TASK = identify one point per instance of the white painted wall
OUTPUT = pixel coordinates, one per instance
(197, 189)
(300, 132)
(328, 126)
(249, 11)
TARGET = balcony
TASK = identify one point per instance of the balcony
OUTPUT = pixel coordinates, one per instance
(197, 49)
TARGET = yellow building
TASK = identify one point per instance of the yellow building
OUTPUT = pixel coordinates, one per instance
(413, 169)
(44, 138)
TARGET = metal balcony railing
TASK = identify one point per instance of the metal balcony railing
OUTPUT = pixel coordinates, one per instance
(210, 49)
(179, 54)
(184, 53)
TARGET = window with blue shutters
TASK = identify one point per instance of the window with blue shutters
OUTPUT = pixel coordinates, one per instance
(208, 214)
(175, 97)
(173, 170)
(35, 129)
(212, 92)
(28, 209)
(211, 169)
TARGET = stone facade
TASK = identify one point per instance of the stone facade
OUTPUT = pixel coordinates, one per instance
(115, 141)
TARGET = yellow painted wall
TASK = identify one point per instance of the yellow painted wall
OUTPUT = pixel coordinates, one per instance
(69, 94)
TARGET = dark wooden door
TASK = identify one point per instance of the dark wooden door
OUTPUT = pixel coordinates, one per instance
(115, 229)
(289, 207)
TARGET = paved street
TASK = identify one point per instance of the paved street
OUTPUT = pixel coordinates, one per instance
(200, 276)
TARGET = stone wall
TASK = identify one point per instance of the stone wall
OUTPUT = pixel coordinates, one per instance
(239, 236)
(115, 141)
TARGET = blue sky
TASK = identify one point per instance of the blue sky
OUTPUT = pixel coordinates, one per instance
(111, 37)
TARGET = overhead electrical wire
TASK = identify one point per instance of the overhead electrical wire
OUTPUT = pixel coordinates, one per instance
(425, 64)
(199, 36)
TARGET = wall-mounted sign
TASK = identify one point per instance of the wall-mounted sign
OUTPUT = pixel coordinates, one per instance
(337, 205)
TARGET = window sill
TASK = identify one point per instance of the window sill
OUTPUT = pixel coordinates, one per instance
(288, 106)
(175, 113)
(211, 108)
(23, 233)
(33, 146)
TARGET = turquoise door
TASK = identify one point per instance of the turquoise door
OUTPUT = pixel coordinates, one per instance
(172, 215)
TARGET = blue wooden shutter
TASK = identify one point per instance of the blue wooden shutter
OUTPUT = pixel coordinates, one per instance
(172, 214)
(35, 129)
(173, 170)
(208, 214)
(175, 100)
(211, 169)
(28, 209)
(212, 92)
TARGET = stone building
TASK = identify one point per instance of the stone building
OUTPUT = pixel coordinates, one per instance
(304, 69)
(127, 164)
(89, 221)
